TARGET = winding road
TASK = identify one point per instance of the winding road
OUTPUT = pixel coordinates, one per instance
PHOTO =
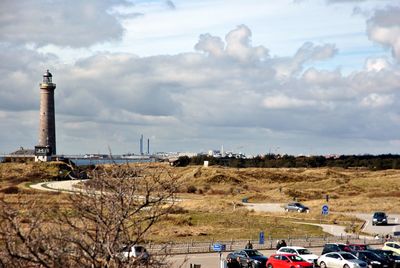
(70, 186)
(392, 227)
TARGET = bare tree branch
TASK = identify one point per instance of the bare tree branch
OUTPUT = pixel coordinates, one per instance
(117, 208)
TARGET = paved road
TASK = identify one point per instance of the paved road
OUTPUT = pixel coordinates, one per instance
(392, 226)
(58, 186)
(265, 207)
(208, 260)
(278, 207)
(393, 221)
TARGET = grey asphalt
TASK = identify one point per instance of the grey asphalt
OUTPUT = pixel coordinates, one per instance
(278, 207)
(392, 226)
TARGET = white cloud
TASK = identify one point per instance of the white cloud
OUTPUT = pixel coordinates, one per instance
(377, 101)
(62, 23)
(212, 45)
(377, 64)
(284, 102)
(238, 45)
(233, 88)
(308, 52)
(384, 28)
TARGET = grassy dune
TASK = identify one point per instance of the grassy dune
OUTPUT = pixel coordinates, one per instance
(211, 206)
(348, 189)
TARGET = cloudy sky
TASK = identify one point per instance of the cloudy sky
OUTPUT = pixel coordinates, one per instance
(256, 76)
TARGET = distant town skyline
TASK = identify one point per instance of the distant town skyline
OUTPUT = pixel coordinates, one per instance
(291, 77)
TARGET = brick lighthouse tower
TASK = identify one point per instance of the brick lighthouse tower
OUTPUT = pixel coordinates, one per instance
(47, 128)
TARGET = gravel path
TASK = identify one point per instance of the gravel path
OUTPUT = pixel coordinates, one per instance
(58, 186)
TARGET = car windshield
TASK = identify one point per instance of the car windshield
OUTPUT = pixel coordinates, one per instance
(303, 251)
(391, 253)
(379, 214)
(253, 253)
(295, 258)
(348, 256)
(371, 255)
(342, 247)
(381, 254)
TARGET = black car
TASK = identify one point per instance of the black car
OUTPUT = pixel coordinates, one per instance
(393, 259)
(299, 207)
(335, 247)
(246, 258)
(373, 259)
(379, 218)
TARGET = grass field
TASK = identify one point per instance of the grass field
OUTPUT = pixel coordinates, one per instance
(211, 206)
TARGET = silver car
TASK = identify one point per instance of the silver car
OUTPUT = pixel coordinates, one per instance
(340, 260)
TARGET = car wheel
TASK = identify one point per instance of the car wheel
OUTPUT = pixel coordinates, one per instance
(322, 264)
(346, 266)
(270, 266)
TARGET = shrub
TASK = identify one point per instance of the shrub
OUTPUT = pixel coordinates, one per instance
(10, 190)
(191, 189)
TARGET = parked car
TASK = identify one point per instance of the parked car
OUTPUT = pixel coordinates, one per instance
(340, 260)
(373, 259)
(300, 251)
(392, 246)
(287, 261)
(389, 255)
(136, 253)
(358, 247)
(248, 258)
(335, 247)
(299, 207)
(379, 218)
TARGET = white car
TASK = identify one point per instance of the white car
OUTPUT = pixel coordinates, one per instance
(135, 252)
(340, 260)
(300, 251)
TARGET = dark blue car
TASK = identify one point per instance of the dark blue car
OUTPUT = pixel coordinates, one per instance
(247, 258)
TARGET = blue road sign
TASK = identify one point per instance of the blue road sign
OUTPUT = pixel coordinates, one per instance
(325, 209)
(261, 238)
(219, 247)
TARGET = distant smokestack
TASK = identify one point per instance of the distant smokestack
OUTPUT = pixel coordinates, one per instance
(148, 146)
(141, 144)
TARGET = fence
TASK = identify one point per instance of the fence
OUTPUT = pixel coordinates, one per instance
(231, 245)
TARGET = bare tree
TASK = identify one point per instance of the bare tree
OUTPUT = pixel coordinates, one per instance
(116, 208)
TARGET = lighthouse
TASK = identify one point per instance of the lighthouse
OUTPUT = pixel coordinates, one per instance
(47, 128)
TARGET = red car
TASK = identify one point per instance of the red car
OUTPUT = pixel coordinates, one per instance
(358, 247)
(287, 261)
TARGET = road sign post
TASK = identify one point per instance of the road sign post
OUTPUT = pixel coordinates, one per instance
(219, 248)
(325, 210)
(261, 238)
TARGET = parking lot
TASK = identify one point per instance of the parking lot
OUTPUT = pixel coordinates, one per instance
(212, 260)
